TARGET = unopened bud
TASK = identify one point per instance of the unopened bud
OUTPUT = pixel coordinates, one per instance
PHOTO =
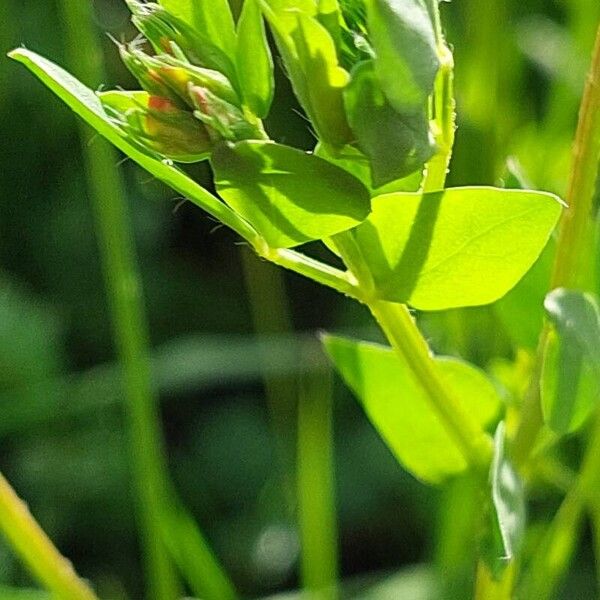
(166, 32)
(159, 125)
(220, 116)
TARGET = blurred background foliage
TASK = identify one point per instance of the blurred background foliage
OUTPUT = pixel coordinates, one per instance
(520, 68)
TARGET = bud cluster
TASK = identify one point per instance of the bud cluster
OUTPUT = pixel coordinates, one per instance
(187, 105)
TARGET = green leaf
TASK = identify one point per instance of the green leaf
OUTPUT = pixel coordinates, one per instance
(522, 309)
(458, 247)
(330, 16)
(406, 55)
(286, 11)
(396, 144)
(174, 24)
(290, 197)
(212, 18)
(399, 408)
(121, 101)
(507, 508)
(351, 159)
(571, 368)
(85, 103)
(254, 61)
(310, 56)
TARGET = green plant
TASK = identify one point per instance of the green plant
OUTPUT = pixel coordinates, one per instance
(375, 79)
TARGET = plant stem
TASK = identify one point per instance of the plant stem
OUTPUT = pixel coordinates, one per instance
(129, 322)
(265, 287)
(444, 108)
(571, 266)
(318, 528)
(341, 281)
(402, 332)
(36, 550)
(395, 319)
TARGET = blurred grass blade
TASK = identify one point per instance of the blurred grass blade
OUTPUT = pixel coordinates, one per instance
(155, 498)
(36, 550)
(192, 554)
(316, 496)
(130, 329)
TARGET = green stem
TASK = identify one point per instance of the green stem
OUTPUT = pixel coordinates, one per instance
(331, 277)
(36, 550)
(128, 315)
(265, 287)
(444, 109)
(571, 266)
(402, 332)
(395, 319)
(318, 528)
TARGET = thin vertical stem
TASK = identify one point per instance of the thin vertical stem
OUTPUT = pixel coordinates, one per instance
(36, 550)
(269, 305)
(444, 110)
(573, 254)
(318, 527)
(405, 337)
(128, 314)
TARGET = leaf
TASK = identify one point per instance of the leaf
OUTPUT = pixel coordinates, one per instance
(85, 103)
(254, 61)
(406, 56)
(310, 57)
(522, 309)
(355, 162)
(396, 144)
(210, 17)
(285, 12)
(290, 197)
(330, 16)
(458, 247)
(507, 508)
(399, 409)
(325, 80)
(122, 101)
(571, 367)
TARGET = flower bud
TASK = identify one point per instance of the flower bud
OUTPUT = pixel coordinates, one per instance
(220, 116)
(170, 35)
(157, 124)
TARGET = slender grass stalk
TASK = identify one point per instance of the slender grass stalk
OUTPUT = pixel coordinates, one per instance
(36, 550)
(269, 305)
(570, 270)
(128, 314)
(318, 527)
(313, 395)
(443, 109)
(152, 486)
(444, 112)
(572, 262)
